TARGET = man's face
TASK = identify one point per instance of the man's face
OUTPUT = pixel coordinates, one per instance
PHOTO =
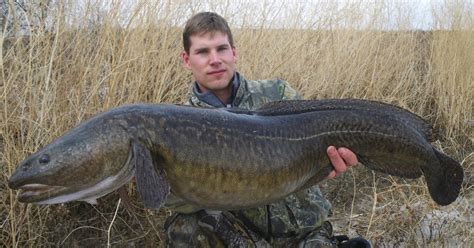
(211, 60)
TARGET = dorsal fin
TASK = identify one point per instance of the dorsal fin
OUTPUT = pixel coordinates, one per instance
(303, 106)
(237, 110)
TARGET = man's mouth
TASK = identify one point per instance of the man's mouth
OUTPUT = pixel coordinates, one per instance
(218, 72)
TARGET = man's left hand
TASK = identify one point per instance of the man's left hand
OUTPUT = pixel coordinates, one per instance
(341, 159)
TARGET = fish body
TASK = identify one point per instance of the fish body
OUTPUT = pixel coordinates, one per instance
(229, 158)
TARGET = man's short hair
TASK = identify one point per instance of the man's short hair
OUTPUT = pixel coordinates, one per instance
(205, 22)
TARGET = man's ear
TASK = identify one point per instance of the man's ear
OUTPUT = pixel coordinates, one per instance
(185, 58)
(234, 52)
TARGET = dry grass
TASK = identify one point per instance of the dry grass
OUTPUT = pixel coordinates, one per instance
(80, 65)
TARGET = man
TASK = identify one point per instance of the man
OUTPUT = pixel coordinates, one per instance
(210, 55)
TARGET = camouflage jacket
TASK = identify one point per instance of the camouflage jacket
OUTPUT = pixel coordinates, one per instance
(248, 94)
(298, 213)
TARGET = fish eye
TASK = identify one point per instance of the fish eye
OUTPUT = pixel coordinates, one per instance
(44, 159)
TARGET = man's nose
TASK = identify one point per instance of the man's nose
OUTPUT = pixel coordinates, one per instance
(214, 58)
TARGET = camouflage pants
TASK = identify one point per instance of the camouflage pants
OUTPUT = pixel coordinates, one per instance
(298, 221)
(224, 230)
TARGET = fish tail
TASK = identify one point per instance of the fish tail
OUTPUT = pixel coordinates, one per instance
(444, 181)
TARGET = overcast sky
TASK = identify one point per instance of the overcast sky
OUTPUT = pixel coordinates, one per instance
(319, 14)
(391, 14)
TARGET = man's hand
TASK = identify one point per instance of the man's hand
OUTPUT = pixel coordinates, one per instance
(341, 159)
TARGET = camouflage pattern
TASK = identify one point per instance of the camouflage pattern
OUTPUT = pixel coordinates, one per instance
(252, 93)
(281, 224)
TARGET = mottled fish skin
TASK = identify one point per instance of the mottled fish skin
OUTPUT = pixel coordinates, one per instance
(233, 159)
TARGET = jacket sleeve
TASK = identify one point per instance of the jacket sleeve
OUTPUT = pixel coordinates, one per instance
(288, 93)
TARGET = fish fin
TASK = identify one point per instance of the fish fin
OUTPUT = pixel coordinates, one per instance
(444, 181)
(319, 176)
(151, 181)
(393, 166)
(92, 201)
(237, 110)
(366, 106)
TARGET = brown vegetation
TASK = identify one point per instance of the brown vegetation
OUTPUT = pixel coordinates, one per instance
(79, 65)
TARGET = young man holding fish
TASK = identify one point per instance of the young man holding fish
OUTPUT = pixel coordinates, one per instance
(209, 53)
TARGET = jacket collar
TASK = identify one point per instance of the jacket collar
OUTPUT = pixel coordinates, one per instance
(209, 99)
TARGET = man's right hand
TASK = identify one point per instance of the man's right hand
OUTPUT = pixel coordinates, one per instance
(341, 159)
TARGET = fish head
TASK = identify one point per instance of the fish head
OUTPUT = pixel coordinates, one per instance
(84, 164)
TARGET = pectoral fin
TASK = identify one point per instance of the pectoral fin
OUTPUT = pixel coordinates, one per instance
(151, 181)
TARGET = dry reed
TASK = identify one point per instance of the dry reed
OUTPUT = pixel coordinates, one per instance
(81, 62)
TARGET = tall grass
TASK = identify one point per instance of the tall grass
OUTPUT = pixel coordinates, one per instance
(87, 60)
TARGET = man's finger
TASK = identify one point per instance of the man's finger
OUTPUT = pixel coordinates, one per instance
(331, 175)
(348, 156)
(336, 160)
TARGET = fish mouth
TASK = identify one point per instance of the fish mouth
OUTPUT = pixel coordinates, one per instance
(30, 193)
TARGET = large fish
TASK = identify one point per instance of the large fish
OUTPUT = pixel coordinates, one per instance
(230, 158)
